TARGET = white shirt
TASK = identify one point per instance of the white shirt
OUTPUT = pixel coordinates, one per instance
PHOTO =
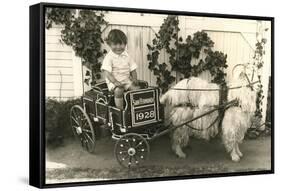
(119, 66)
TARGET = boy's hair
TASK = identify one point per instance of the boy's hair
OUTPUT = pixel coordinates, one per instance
(116, 36)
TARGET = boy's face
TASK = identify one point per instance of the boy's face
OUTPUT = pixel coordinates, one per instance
(117, 48)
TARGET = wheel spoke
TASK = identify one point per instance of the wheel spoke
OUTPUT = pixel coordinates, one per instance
(124, 145)
(122, 152)
(75, 114)
(130, 162)
(127, 141)
(139, 144)
(88, 137)
(140, 155)
(84, 122)
(75, 120)
(133, 142)
(78, 117)
(124, 158)
(136, 160)
(80, 121)
(141, 150)
(86, 130)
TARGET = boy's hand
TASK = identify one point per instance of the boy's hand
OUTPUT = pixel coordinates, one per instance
(135, 82)
(118, 84)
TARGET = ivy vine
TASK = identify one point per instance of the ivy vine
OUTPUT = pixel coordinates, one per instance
(182, 52)
(82, 30)
(258, 63)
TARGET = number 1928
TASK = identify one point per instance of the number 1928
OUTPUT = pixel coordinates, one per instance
(145, 115)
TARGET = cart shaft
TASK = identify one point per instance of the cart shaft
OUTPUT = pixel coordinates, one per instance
(169, 128)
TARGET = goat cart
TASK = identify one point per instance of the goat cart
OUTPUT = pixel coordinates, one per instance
(141, 121)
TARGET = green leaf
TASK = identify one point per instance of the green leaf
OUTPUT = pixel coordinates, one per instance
(156, 72)
(151, 65)
(86, 81)
(154, 41)
(87, 73)
(149, 47)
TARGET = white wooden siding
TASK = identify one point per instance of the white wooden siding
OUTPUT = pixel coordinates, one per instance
(235, 46)
(59, 66)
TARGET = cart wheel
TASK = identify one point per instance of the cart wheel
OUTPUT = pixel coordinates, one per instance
(131, 150)
(82, 128)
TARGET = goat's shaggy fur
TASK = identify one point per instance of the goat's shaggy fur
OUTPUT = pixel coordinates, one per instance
(235, 123)
(175, 96)
(180, 136)
(237, 120)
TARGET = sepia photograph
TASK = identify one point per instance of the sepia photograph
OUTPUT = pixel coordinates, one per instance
(133, 95)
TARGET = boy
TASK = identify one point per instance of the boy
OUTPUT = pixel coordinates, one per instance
(118, 67)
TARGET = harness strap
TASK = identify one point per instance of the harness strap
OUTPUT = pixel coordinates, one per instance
(215, 89)
(191, 127)
(222, 107)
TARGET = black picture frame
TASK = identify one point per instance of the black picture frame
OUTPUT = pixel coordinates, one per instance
(37, 94)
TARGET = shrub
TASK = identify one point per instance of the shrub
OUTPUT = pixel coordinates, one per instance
(57, 122)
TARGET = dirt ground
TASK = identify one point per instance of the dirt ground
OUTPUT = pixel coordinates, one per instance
(70, 163)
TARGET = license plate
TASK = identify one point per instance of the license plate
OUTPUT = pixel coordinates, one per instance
(144, 114)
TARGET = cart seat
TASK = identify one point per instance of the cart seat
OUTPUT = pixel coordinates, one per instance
(102, 87)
